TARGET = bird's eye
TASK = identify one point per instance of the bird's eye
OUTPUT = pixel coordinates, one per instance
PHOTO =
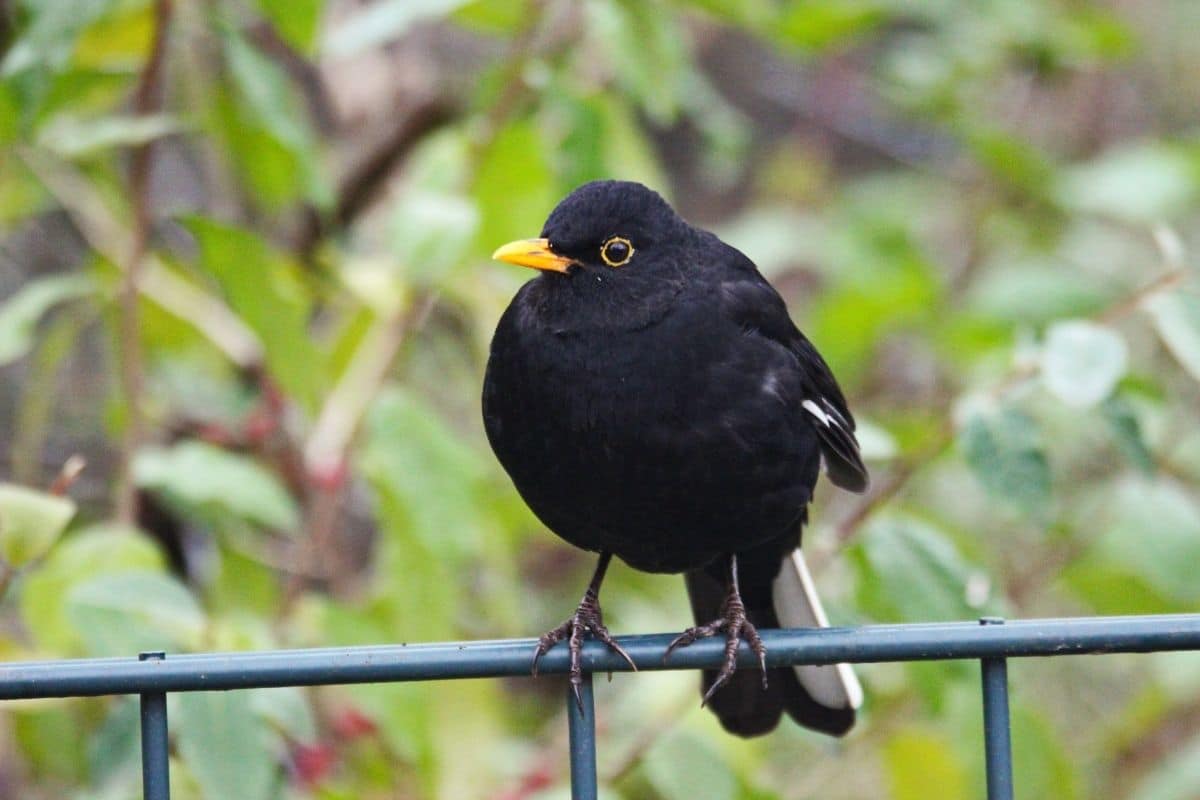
(616, 251)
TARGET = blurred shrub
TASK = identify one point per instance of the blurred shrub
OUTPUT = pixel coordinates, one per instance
(243, 271)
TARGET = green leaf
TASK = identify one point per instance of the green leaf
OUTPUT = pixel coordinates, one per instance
(682, 766)
(296, 20)
(226, 745)
(10, 112)
(30, 522)
(513, 186)
(243, 584)
(628, 154)
(124, 613)
(434, 223)
(875, 442)
(429, 489)
(272, 172)
(1082, 362)
(264, 288)
(883, 281)
(646, 50)
(425, 467)
(1016, 161)
(1154, 533)
(20, 313)
(94, 551)
(1127, 432)
(74, 137)
(1005, 452)
(753, 14)
(1176, 317)
(1042, 765)
(50, 33)
(118, 43)
(432, 232)
(1033, 291)
(1110, 588)
(920, 761)
(286, 709)
(114, 750)
(493, 17)
(270, 99)
(1143, 183)
(909, 570)
(584, 138)
(266, 89)
(820, 24)
(203, 475)
(50, 740)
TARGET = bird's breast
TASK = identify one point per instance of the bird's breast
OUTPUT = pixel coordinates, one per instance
(663, 448)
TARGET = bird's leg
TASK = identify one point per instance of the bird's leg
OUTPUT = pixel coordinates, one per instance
(587, 618)
(736, 624)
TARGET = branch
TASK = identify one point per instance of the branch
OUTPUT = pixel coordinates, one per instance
(363, 180)
(147, 99)
(346, 405)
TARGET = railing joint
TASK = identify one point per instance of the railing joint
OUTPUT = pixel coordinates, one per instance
(997, 735)
(156, 777)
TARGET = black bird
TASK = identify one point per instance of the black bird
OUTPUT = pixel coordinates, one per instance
(651, 399)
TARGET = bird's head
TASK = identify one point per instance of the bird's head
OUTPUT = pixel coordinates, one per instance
(603, 227)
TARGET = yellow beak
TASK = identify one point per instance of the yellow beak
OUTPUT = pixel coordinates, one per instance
(534, 253)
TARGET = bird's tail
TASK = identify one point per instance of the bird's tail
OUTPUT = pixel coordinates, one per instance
(823, 698)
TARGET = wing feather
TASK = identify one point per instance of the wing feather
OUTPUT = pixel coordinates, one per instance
(755, 305)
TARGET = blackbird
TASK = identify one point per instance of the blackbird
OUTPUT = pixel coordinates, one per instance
(651, 399)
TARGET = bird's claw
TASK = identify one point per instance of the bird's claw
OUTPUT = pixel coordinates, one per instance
(586, 619)
(734, 622)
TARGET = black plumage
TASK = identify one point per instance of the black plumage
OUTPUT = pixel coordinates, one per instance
(651, 399)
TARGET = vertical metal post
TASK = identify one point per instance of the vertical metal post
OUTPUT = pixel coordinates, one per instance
(581, 724)
(156, 775)
(997, 739)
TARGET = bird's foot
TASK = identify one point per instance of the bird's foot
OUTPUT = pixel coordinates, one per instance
(586, 619)
(737, 626)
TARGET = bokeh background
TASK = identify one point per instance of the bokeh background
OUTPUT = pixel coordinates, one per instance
(244, 275)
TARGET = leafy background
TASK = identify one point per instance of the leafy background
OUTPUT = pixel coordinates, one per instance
(244, 276)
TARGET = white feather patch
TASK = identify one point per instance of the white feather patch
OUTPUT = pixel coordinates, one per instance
(798, 606)
(814, 409)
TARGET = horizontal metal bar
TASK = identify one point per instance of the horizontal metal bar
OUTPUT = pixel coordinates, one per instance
(490, 659)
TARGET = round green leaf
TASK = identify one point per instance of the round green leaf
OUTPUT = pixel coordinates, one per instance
(683, 767)
(1004, 450)
(1082, 362)
(30, 522)
(20, 313)
(202, 475)
(1177, 319)
(82, 556)
(922, 764)
(127, 612)
(226, 745)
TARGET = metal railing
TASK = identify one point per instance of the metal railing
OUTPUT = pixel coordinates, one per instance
(992, 641)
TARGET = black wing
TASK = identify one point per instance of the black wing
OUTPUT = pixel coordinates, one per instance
(754, 304)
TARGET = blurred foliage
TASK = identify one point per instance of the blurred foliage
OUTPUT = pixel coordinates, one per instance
(984, 214)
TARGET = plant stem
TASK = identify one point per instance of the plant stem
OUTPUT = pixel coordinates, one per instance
(147, 99)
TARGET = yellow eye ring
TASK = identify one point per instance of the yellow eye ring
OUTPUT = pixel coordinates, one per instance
(616, 251)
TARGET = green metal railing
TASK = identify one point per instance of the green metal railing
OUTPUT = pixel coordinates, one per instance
(990, 641)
